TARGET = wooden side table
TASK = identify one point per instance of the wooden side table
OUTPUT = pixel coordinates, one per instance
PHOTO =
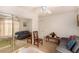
(47, 38)
(55, 40)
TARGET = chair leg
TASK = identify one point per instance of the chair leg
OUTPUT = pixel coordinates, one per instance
(31, 41)
(38, 44)
(34, 42)
(27, 40)
(42, 43)
(46, 39)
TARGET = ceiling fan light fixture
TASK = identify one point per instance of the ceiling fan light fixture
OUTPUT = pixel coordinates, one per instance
(45, 9)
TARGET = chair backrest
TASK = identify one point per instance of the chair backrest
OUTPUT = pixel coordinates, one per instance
(35, 34)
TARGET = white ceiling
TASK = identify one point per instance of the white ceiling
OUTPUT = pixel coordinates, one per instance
(53, 9)
(27, 10)
(20, 11)
(57, 10)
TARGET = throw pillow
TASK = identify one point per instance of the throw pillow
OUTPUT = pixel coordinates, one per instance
(70, 44)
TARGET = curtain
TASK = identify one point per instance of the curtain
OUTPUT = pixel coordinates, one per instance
(6, 27)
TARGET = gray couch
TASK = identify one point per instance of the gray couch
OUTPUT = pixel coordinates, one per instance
(62, 46)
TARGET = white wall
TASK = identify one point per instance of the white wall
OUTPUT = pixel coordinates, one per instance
(63, 25)
(35, 23)
(28, 26)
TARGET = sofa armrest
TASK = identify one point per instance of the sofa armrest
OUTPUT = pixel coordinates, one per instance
(63, 50)
(76, 47)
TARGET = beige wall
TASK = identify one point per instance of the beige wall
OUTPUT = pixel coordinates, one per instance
(63, 25)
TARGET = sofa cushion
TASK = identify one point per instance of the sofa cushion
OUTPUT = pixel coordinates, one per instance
(70, 44)
(22, 34)
(76, 47)
(63, 49)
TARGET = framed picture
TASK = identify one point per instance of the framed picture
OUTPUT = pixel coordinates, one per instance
(24, 24)
(77, 20)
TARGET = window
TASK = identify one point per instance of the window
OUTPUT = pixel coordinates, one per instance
(6, 27)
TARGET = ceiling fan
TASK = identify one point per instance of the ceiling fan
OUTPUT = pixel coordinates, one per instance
(45, 10)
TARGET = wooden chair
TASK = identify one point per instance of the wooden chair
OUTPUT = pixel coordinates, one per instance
(37, 40)
(29, 40)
